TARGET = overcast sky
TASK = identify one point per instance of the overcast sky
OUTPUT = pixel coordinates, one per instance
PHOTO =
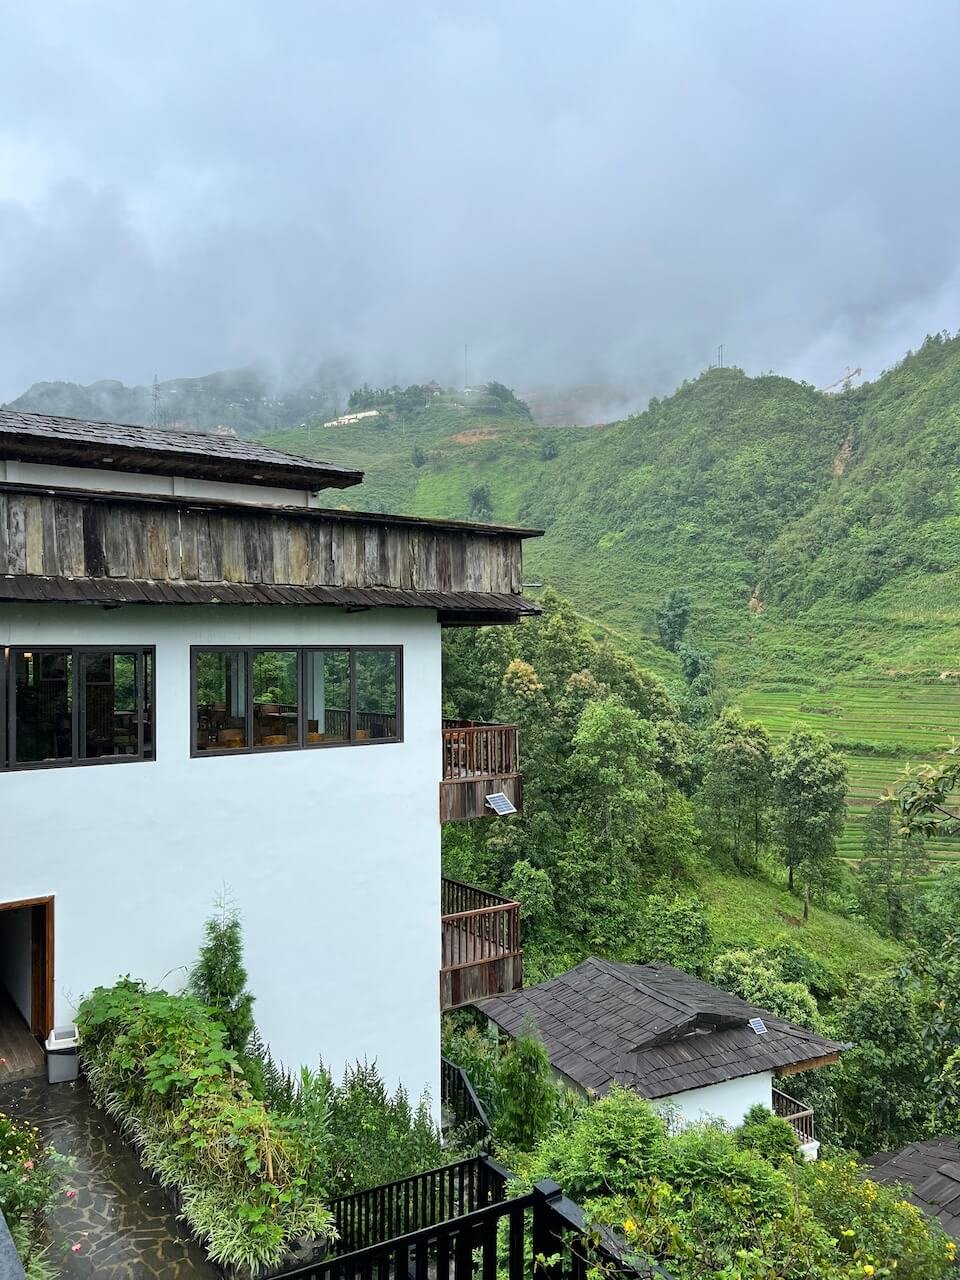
(594, 192)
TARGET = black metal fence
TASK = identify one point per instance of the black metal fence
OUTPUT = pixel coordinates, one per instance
(541, 1234)
(465, 1110)
(422, 1200)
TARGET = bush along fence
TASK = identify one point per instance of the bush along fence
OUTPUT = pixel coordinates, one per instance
(541, 1234)
(411, 1204)
(464, 1110)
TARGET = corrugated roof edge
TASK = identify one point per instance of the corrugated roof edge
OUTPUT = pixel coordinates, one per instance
(221, 504)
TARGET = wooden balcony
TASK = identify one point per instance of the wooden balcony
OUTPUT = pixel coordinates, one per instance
(799, 1116)
(478, 760)
(481, 953)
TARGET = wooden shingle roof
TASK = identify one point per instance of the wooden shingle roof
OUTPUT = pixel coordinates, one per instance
(931, 1173)
(115, 446)
(652, 1028)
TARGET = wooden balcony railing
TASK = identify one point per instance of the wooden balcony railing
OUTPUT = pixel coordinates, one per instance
(478, 760)
(799, 1116)
(394, 1209)
(481, 953)
(472, 750)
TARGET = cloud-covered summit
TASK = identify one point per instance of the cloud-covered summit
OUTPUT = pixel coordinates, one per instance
(582, 193)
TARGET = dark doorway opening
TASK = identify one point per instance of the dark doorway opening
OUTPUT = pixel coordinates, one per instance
(26, 981)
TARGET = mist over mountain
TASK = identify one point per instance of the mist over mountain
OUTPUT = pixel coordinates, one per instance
(246, 400)
(580, 195)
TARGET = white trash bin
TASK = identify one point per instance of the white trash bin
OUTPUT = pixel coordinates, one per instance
(63, 1060)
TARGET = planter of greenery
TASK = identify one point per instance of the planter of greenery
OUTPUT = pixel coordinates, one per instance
(246, 1179)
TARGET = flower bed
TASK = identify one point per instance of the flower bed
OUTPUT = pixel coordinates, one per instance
(30, 1176)
(246, 1179)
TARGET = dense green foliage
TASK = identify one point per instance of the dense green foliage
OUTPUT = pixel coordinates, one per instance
(815, 535)
(161, 1065)
(253, 1172)
(709, 1203)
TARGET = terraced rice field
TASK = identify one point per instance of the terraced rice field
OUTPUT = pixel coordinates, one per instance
(882, 725)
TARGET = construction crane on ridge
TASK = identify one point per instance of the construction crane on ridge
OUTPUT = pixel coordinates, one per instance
(846, 379)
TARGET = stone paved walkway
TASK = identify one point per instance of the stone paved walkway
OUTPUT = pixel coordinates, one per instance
(120, 1218)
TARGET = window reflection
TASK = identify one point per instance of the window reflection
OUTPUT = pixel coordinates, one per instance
(328, 695)
(72, 706)
(221, 700)
(108, 705)
(276, 698)
(43, 702)
(376, 681)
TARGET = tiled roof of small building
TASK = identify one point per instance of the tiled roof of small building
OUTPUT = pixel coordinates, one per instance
(652, 1028)
(114, 446)
(931, 1171)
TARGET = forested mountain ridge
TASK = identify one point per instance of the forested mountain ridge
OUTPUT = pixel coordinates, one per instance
(817, 534)
(243, 399)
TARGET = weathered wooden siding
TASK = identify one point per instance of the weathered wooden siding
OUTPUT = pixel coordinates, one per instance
(466, 798)
(69, 536)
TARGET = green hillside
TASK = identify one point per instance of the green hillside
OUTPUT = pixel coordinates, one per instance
(819, 536)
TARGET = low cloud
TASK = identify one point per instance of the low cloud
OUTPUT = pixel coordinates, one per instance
(580, 194)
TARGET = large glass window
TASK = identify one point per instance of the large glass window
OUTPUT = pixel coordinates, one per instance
(276, 698)
(220, 699)
(328, 695)
(273, 699)
(376, 684)
(77, 706)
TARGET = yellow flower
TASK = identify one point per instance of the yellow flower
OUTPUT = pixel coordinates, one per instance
(868, 1270)
(629, 1226)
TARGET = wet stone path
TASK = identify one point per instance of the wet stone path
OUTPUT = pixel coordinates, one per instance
(118, 1216)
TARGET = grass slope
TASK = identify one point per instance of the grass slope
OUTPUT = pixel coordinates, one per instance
(753, 913)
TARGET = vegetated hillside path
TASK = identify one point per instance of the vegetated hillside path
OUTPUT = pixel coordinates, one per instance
(118, 1216)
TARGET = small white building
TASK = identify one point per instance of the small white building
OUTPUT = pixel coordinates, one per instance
(209, 681)
(682, 1043)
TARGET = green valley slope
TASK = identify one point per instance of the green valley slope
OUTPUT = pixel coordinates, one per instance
(819, 536)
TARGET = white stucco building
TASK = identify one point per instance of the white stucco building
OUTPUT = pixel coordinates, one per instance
(689, 1047)
(208, 682)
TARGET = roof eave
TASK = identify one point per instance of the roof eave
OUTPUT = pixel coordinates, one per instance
(27, 447)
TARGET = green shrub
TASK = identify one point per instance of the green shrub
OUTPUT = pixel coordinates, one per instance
(674, 930)
(874, 1226)
(249, 1184)
(768, 1135)
(707, 1204)
(606, 1149)
(219, 978)
(376, 1136)
(528, 1093)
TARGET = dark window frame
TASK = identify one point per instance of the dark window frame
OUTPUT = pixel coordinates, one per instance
(248, 651)
(146, 695)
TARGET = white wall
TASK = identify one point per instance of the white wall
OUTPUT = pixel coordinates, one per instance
(729, 1101)
(332, 855)
(107, 481)
(16, 956)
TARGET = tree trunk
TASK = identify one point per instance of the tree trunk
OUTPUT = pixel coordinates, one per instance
(790, 879)
(806, 903)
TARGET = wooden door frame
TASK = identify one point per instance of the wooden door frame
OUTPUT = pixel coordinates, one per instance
(41, 961)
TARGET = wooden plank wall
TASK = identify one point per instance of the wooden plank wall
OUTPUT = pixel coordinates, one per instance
(56, 535)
